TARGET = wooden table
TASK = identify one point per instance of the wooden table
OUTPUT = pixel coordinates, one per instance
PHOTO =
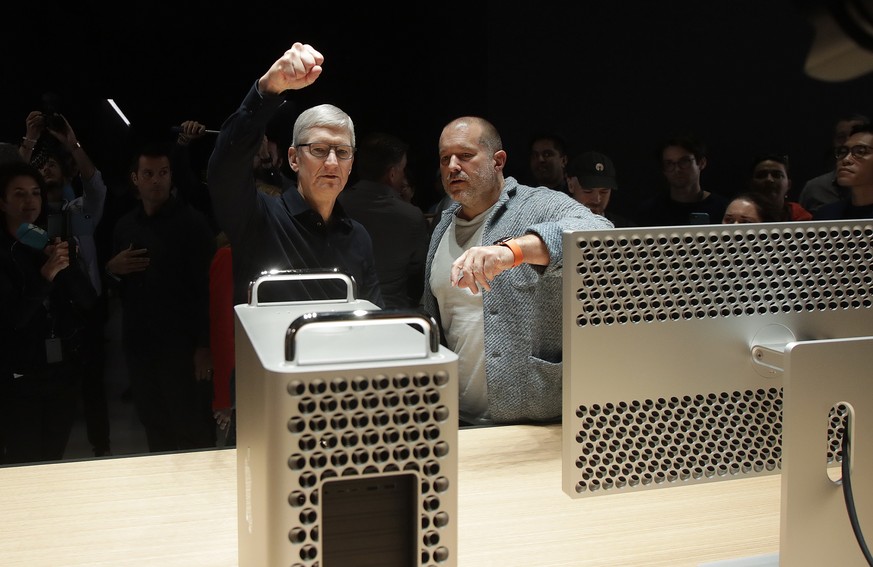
(180, 509)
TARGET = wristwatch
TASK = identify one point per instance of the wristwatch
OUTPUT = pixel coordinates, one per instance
(509, 242)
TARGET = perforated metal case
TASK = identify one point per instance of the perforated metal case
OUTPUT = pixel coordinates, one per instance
(660, 387)
(346, 436)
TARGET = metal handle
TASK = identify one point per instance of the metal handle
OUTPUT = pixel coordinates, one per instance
(304, 274)
(363, 317)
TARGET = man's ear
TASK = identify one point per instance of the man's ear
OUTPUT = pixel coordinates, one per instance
(292, 159)
(395, 176)
(701, 164)
(572, 184)
(499, 160)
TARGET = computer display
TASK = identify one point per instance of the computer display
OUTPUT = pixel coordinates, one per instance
(674, 343)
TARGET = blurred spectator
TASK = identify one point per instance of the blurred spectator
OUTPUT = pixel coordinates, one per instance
(267, 165)
(76, 214)
(188, 184)
(855, 172)
(591, 179)
(162, 251)
(548, 158)
(397, 228)
(825, 188)
(770, 177)
(406, 191)
(751, 207)
(42, 301)
(682, 159)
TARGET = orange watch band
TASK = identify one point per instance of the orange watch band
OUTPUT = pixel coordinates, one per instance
(516, 250)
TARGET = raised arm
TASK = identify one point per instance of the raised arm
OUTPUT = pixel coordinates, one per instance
(230, 174)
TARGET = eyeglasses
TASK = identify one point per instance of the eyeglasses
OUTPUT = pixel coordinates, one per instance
(682, 163)
(545, 154)
(858, 151)
(321, 151)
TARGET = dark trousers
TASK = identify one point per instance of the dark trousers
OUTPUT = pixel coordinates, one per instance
(173, 407)
(38, 410)
(95, 405)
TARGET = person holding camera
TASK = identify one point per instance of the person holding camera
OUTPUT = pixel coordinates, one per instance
(63, 164)
(50, 144)
(43, 130)
(42, 299)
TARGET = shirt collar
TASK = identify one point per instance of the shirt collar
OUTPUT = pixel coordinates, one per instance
(300, 209)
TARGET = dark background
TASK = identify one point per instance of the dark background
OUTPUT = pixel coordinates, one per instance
(613, 76)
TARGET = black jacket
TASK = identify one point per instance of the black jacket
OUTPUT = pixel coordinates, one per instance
(33, 309)
(168, 303)
(282, 232)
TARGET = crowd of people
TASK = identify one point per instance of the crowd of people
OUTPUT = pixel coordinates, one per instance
(485, 262)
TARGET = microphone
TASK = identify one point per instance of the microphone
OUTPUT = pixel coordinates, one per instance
(32, 235)
(178, 130)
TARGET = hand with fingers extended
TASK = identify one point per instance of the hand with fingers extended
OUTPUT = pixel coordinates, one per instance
(223, 418)
(478, 266)
(128, 261)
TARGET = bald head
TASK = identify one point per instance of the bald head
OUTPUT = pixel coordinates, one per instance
(485, 133)
(471, 163)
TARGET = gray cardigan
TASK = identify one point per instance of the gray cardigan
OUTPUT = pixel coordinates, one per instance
(523, 310)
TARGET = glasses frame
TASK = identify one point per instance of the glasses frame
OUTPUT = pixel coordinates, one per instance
(841, 152)
(331, 148)
(682, 163)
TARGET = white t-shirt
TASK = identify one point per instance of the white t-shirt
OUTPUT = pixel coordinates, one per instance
(461, 316)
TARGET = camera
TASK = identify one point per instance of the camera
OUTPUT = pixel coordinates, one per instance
(53, 119)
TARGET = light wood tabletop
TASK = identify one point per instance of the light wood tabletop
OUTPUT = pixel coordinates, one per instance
(181, 510)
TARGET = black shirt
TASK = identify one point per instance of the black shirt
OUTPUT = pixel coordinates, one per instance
(400, 236)
(168, 302)
(664, 211)
(843, 210)
(281, 233)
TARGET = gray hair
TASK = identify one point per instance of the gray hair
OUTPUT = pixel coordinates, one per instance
(323, 115)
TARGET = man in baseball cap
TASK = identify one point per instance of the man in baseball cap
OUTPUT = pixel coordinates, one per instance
(591, 181)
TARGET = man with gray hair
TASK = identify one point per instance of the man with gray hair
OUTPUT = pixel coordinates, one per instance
(304, 227)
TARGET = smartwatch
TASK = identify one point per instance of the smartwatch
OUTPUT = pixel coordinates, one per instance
(510, 243)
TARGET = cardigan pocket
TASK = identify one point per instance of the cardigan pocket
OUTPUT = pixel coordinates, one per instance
(543, 388)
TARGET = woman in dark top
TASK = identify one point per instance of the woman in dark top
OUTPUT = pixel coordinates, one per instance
(42, 300)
